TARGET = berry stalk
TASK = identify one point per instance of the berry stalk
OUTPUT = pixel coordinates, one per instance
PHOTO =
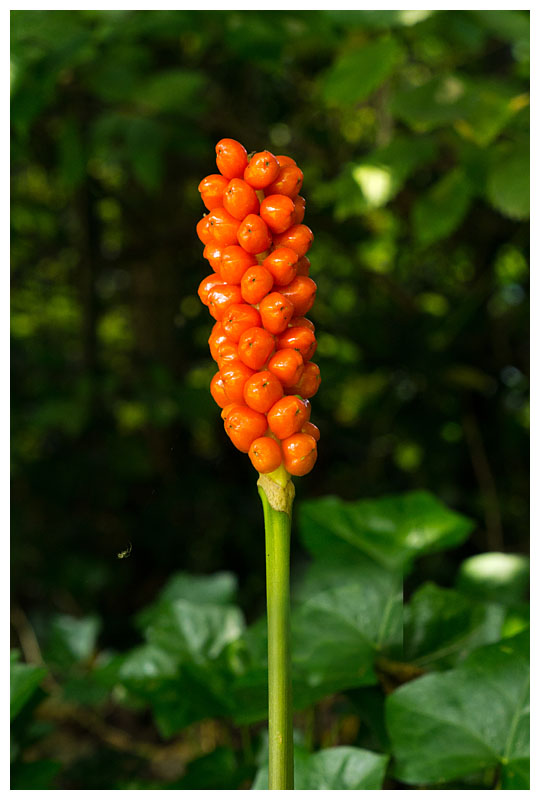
(277, 506)
(259, 293)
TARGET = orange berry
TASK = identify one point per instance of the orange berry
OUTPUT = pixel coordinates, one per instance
(256, 283)
(204, 232)
(309, 383)
(278, 212)
(299, 209)
(288, 415)
(211, 189)
(231, 158)
(223, 227)
(262, 169)
(302, 268)
(262, 390)
(238, 318)
(301, 340)
(240, 199)
(299, 453)
(298, 237)
(234, 262)
(253, 234)
(301, 292)
(288, 181)
(206, 286)
(302, 322)
(221, 297)
(243, 425)
(265, 454)
(227, 353)
(276, 311)
(283, 160)
(309, 427)
(255, 347)
(216, 338)
(281, 263)
(217, 390)
(287, 365)
(234, 377)
(213, 252)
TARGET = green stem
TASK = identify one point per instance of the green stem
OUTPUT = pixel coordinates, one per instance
(277, 494)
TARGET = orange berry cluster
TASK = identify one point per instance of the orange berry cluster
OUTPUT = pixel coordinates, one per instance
(258, 293)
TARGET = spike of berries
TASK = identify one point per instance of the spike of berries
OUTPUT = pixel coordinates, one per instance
(258, 292)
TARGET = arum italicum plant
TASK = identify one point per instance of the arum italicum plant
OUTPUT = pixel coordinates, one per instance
(259, 292)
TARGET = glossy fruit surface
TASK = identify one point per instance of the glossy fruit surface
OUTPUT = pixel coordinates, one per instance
(231, 158)
(262, 390)
(299, 453)
(253, 234)
(255, 347)
(288, 181)
(298, 237)
(212, 188)
(256, 283)
(287, 365)
(301, 292)
(278, 212)
(265, 454)
(275, 311)
(281, 263)
(221, 297)
(288, 415)
(243, 425)
(300, 339)
(234, 262)
(262, 169)
(256, 242)
(238, 318)
(239, 199)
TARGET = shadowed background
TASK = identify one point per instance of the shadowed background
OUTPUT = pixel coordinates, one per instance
(411, 128)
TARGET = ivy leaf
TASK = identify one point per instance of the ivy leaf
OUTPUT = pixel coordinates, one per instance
(392, 530)
(508, 182)
(333, 768)
(71, 640)
(24, 681)
(449, 725)
(442, 626)
(357, 73)
(217, 589)
(192, 632)
(495, 577)
(337, 633)
(438, 213)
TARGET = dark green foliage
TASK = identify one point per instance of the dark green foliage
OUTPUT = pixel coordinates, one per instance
(412, 129)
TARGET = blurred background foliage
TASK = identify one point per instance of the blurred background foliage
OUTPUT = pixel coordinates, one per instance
(412, 128)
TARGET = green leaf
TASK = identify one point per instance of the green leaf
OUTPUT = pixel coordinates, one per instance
(449, 725)
(376, 179)
(337, 633)
(216, 770)
(71, 640)
(34, 774)
(392, 530)
(193, 632)
(217, 589)
(442, 626)
(333, 768)
(357, 73)
(479, 110)
(441, 210)
(495, 577)
(172, 90)
(508, 182)
(24, 681)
